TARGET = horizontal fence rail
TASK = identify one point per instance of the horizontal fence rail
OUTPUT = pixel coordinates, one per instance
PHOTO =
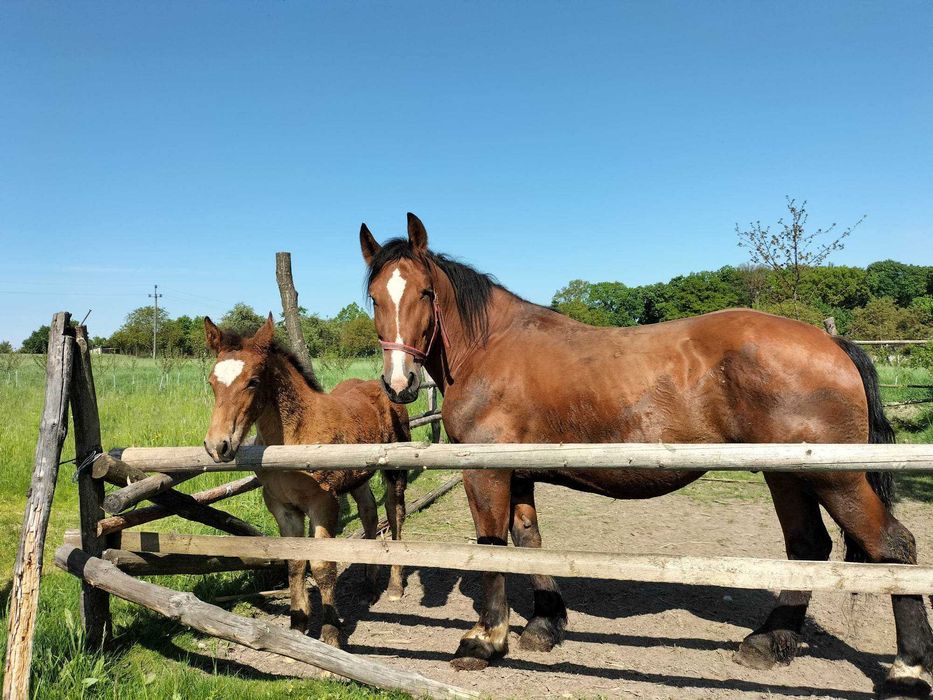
(414, 455)
(728, 572)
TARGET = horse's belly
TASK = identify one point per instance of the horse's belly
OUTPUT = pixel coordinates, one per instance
(615, 483)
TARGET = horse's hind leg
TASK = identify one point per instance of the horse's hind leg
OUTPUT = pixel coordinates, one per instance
(396, 483)
(545, 629)
(805, 537)
(369, 517)
(853, 504)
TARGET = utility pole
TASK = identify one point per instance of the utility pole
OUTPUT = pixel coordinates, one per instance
(155, 317)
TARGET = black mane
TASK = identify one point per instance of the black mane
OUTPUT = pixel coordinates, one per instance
(472, 288)
(231, 340)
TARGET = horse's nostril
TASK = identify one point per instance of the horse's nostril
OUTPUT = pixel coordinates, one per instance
(224, 447)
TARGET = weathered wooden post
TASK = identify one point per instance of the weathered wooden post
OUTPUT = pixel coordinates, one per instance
(283, 275)
(95, 603)
(830, 325)
(432, 407)
(27, 572)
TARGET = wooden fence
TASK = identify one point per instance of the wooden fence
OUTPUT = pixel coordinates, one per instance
(106, 555)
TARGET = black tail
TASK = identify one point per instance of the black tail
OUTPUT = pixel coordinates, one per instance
(879, 431)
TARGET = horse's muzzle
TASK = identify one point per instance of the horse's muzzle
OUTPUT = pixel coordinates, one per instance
(406, 395)
(221, 450)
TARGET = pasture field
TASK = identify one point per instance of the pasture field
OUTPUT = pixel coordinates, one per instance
(149, 403)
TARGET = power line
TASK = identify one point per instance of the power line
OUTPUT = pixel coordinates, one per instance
(155, 317)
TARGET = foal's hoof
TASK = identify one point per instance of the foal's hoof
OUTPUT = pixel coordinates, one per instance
(906, 681)
(331, 635)
(299, 621)
(764, 650)
(395, 593)
(542, 633)
(474, 655)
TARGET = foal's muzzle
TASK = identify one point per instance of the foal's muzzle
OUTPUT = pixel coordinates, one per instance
(406, 395)
(223, 450)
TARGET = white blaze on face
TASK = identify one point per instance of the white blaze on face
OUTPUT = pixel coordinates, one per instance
(396, 288)
(228, 370)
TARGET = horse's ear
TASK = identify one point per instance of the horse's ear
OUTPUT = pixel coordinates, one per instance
(213, 335)
(265, 334)
(417, 235)
(368, 244)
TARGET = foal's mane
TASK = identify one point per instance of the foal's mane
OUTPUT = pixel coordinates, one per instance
(230, 340)
(472, 288)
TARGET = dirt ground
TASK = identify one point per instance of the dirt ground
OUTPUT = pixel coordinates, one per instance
(624, 639)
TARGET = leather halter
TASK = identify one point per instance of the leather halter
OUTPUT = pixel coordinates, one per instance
(417, 354)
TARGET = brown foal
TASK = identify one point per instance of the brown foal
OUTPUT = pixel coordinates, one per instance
(256, 381)
(512, 371)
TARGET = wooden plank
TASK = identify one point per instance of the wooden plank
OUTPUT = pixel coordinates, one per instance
(728, 572)
(424, 419)
(433, 409)
(141, 516)
(256, 634)
(414, 455)
(95, 603)
(170, 564)
(891, 342)
(283, 276)
(27, 571)
(147, 487)
(118, 472)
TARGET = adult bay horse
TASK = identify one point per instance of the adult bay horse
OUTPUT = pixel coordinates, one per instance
(512, 371)
(256, 381)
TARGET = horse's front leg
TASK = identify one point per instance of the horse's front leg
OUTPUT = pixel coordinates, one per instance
(291, 522)
(396, 482)
(369, 517)
(324, 512)
(488, 495)
(545, 629)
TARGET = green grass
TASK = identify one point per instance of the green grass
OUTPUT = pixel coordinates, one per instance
(148, 403)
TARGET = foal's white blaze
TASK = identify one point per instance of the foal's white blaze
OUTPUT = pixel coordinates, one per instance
(228, 370)
(396, 288)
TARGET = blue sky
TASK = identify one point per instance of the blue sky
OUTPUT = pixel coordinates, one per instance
(184, 143)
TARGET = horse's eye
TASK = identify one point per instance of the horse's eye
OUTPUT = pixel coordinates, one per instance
(253, 383)
(427, 293)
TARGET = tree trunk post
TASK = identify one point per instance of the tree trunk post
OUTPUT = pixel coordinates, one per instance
(95, 603)
(432, 407)
(830, 325)
(283, 275)
(24, 589)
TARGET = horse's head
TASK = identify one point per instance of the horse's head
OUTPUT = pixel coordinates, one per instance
(404, 307)
(239, 392)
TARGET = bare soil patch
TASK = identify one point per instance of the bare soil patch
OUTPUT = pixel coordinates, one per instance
(624, 639)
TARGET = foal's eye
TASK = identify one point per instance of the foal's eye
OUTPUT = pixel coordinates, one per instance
(253, 383)
(427, 293)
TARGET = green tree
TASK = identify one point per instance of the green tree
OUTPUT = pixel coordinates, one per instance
(37, 342)
(883, 319)
(242, 319)
(6, 347)
(358, 337)
(135, 335)
(902, 282)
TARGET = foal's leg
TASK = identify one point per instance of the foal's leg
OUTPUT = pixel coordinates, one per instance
(291, 522)
(863, 517)
(545, 629)
(324, 512)
(396, 482)
(805, 537)
(488, 494)
(369, 517)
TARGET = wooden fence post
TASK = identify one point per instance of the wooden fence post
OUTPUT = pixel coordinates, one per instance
(24, 591)
(830, 325)
(432, 407)
(283, 275)
(95, 603)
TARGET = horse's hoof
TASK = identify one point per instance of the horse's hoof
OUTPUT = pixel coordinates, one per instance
(331, 635)
(764, 650)
(474, 654)
(395, 594)
(542, 634)
(905, 681)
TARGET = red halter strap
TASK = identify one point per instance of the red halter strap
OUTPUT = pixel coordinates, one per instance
(417, 354)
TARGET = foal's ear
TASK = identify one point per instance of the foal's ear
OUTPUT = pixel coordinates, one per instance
(417, 235)
(265, 334)
(368, 244)
(213, 335)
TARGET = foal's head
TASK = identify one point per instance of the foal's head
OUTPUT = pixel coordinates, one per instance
(402, 293)
(239, 390)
